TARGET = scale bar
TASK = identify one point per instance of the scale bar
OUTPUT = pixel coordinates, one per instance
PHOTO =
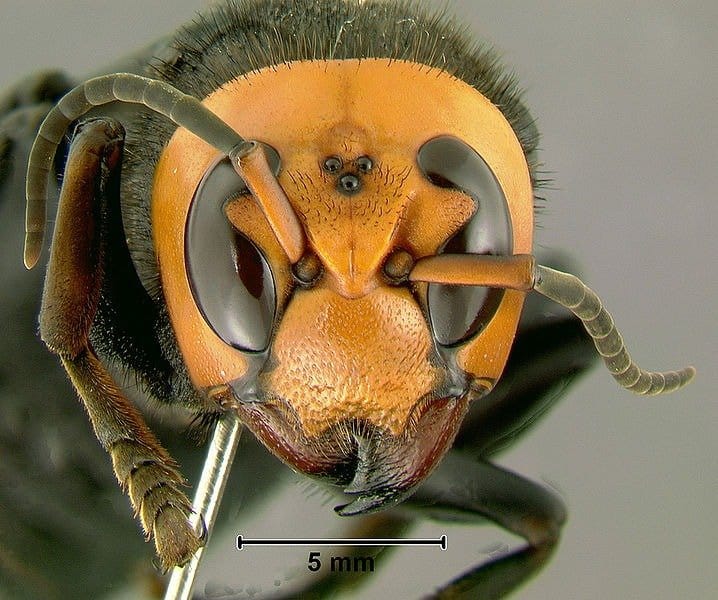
(441, 541)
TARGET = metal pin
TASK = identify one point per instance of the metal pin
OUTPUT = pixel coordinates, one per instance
(209, 495)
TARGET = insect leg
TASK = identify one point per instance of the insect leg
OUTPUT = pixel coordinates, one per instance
(463, 488)
(569, 291)
(5, 155)
(22, 110)
(551, 349)
(69, 305)
(210, 491)
(44, 86)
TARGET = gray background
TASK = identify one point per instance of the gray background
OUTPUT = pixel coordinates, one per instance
(625, 94)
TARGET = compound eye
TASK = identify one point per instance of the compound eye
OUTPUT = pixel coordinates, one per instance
(457, 313)
(230, 278)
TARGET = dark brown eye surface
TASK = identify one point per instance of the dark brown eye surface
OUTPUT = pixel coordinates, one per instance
(332, 164)
(457, 313)
(230, 279)
(364, 164)
(349, 184)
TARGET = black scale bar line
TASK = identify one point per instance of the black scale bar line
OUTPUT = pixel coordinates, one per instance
(441, 541)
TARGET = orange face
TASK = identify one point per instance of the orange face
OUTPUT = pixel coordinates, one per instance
(352, 373)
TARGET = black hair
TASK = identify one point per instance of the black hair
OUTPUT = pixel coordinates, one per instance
(238, 37)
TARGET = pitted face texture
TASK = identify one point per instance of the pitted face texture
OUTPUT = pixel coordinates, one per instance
(373, 354)
(239, 38)
(352, 346)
